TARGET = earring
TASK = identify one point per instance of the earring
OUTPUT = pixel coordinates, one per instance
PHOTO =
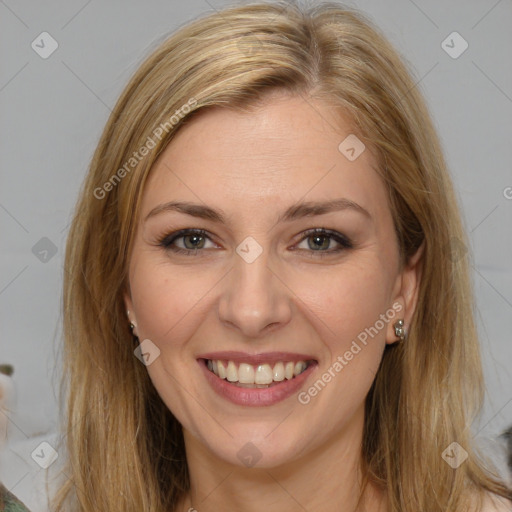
(399, 329)
(132, 325)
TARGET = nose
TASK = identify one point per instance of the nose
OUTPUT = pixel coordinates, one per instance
(254, 299)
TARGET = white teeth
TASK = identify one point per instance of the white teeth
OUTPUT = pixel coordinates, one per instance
(221, 370)
(262, 375)
(278, 375)
(288, 370)
(246, 374)
(232, 372)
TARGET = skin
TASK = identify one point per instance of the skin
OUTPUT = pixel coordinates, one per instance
(252, 167)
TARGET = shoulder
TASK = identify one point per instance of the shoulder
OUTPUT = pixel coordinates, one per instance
(493, 503)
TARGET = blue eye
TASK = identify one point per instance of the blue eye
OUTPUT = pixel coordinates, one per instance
(194, 241)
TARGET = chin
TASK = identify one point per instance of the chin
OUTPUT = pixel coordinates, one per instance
(259, 453)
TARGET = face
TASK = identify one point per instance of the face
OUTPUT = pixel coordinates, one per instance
(250, 276)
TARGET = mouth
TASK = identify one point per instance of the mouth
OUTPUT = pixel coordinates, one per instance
(256, 380)
(263, 375)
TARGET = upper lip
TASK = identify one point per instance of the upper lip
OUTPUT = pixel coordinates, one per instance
(255, 359)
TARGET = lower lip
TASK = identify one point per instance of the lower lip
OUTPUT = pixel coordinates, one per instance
(255, 396)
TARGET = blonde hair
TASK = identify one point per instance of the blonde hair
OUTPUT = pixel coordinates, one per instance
(125, 448)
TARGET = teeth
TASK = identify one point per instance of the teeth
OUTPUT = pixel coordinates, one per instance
(232, 372)
(288, 370)
(300, 366)
(262, 375)
(246, 374)
(278, 373)
(221, 370)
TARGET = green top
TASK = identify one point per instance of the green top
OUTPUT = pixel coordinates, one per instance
(9, 502)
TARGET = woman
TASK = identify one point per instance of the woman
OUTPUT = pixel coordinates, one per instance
(264, 303)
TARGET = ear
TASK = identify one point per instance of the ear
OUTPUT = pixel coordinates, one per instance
(406, 293)
(129, 311)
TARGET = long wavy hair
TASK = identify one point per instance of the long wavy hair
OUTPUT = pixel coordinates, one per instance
(124, 448)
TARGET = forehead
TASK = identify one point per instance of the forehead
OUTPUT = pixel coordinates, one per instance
(284, 151)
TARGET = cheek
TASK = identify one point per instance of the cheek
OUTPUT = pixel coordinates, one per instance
(341, 300)
(347, 299)
(164, 298)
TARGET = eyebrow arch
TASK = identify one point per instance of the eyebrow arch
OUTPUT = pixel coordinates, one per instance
(296, 211)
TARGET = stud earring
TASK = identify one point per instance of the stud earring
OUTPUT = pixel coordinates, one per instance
(399, 329)
(132, 325)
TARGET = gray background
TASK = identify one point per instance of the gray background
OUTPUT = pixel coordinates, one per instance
(53, 111)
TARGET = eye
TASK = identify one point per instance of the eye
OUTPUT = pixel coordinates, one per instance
(321, 239)
(194, 242)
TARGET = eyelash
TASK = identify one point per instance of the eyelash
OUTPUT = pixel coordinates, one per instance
(167, 241)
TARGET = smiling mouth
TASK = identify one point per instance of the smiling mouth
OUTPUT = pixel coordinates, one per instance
(263, 375)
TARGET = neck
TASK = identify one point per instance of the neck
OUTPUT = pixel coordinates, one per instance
(328, 478)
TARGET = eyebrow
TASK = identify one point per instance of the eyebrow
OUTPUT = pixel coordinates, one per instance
(296, 211)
